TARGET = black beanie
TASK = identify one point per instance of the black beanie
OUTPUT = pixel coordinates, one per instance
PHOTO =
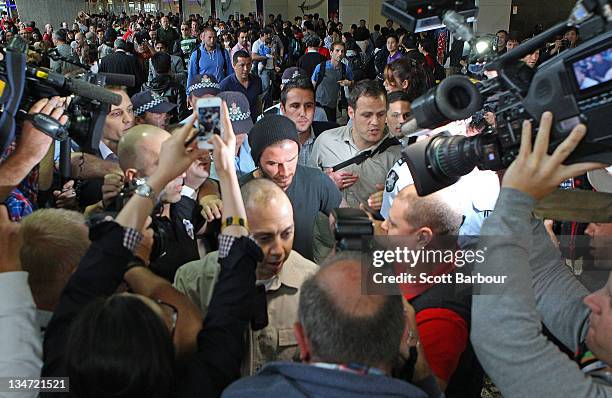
(270, 130)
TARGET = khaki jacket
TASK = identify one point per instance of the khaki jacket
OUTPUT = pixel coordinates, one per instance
(276, 341)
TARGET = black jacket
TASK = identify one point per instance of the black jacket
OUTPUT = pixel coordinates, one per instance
(221, 344)
(122, 63)
(166, 86)
(319, 127)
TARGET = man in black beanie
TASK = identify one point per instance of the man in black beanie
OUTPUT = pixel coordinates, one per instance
(275, 148)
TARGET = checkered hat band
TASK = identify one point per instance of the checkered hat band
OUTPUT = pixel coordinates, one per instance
(208, 84)
(149, 105)
(238, 116)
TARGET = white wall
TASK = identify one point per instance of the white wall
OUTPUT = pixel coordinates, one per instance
(493, 15)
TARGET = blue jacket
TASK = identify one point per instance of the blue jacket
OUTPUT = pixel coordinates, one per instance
(218, 65)
(289, 379)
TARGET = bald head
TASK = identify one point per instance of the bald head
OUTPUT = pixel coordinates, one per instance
(345, 270)
(344, 326)
(270, 217)
(139, 148)
(441, 211)
(263, 196)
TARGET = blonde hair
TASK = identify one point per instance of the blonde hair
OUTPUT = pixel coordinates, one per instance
(53, 243)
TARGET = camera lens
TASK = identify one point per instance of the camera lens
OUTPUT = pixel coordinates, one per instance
(453, 156)
(456, 98)
(439, 161)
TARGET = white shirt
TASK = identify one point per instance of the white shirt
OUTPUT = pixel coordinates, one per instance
(21, 342)
(476, 193)
(105, 151)
(256, 45)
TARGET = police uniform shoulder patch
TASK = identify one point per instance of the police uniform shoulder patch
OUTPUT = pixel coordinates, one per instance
(392, 178)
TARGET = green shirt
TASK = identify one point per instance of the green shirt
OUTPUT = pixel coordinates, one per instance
(187, 47)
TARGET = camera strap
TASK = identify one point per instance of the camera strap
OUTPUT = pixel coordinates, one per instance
(15, 79)
(363, 156)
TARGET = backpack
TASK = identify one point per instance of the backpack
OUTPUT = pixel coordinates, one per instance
(357, 66)
(322, 67)
(296, 49)
(199, 55)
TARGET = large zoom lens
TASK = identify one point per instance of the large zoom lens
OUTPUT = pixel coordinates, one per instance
(438, 162)
(455, 98)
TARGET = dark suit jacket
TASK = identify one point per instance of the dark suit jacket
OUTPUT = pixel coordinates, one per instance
(125, 64)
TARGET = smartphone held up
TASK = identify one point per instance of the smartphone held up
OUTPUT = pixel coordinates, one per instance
(209, 121)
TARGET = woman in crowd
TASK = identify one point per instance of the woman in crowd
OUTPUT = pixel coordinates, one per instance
(408, 76)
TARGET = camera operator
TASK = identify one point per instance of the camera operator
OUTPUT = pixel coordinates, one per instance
(442, 310)
(17, 191)
(91, 169)
(571, 39)
(506, 320)
(142, 362)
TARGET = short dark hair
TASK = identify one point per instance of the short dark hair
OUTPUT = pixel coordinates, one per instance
(240, 54)
(104, 356)
(376, 28)
(337, 336)
(161, 62)
(502, 31)
(313, 41)
(365, 88)
(514, 36)
(302, 82)
(308, 25)
(393, 36)
(398, 96)
(242, 30)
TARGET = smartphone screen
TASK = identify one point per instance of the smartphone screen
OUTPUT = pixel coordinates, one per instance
(209, 121)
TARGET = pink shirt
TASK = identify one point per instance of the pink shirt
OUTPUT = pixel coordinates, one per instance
(238, 47)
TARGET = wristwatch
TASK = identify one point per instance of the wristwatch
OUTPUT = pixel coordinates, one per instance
(146, 191)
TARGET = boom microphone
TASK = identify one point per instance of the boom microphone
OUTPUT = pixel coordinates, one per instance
(69, 86)
(91, 91)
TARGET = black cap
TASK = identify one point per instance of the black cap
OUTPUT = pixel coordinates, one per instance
(270, 130)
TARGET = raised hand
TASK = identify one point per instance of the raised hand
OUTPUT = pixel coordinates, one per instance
(537, 173)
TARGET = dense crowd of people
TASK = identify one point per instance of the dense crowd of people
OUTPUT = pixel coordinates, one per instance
(162, 269)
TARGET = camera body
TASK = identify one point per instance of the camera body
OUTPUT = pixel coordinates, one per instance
(159, 225)
(24, 84)
(350, 226)
(568, 85)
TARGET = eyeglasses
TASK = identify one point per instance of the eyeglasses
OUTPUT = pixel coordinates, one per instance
(172, 314)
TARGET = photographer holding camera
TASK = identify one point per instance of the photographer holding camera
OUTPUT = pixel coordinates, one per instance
(507, 319)
(82, 339)
(23, 160)
(138, 152)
